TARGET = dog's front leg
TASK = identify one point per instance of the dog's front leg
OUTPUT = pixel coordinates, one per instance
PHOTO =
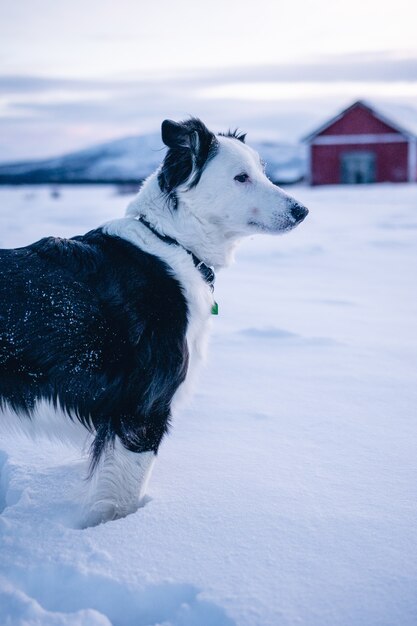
(118, 484)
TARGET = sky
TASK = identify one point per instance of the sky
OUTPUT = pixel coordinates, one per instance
(76, 73)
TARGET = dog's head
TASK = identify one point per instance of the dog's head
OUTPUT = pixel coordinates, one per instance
(222, 181)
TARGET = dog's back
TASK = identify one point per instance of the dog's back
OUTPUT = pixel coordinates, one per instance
(96, 326)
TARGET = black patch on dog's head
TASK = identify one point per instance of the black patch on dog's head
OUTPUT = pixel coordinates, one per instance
(234, 134)
(190, 147)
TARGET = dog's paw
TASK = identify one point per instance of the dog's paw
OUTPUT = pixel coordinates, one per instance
(100, 513)
(106, 511)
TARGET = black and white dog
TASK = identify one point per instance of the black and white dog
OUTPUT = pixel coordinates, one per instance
(106, 326)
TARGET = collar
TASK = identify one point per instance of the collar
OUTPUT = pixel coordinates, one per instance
(206, 271)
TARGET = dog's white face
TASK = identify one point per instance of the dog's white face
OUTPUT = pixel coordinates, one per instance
(234, 194)
(217, 191)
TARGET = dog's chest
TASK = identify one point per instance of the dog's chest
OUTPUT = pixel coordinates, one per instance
(199, 323)
(199, 298)
(199, 307)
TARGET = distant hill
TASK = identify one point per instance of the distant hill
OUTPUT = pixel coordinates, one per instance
(132, 159)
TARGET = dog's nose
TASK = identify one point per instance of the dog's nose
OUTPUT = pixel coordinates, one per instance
(298, 211)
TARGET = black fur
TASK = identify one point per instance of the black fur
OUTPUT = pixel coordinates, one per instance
(191, 146)
(98, 327)
(235, 134)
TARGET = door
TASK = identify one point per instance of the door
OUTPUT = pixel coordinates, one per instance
(358, 168)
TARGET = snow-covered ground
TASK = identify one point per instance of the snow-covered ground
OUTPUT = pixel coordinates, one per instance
(286, 494)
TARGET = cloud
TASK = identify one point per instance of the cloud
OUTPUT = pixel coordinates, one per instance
(47, 116)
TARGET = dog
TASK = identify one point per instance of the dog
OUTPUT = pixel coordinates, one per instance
(106, 327)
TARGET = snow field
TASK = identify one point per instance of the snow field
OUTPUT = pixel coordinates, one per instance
(286, 493)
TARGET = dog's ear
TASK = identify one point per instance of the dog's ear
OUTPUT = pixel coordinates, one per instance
(175, 135)
(191, 145)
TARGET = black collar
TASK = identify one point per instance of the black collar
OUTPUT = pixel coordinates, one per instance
(206, 271)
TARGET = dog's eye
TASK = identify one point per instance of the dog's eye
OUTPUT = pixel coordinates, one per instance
(242, 178)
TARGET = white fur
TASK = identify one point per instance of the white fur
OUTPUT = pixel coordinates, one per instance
(118, 486)
(47, 421)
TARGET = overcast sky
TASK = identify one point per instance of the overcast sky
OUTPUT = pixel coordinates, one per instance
(114, 68)
(93, 38)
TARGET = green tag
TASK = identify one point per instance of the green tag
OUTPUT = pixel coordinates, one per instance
(215, 309)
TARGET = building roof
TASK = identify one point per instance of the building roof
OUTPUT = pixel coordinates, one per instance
(401, 117)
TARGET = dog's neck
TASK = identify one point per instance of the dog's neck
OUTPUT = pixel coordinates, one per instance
(206, 240)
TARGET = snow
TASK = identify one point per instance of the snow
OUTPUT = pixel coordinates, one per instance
(286, 493)
(404, 115)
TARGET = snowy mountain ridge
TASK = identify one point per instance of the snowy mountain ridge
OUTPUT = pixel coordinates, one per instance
(132, 159)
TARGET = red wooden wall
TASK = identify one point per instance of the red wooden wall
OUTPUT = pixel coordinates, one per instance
(391, 162)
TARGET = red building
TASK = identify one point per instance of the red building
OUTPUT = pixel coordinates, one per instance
(362, 145)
